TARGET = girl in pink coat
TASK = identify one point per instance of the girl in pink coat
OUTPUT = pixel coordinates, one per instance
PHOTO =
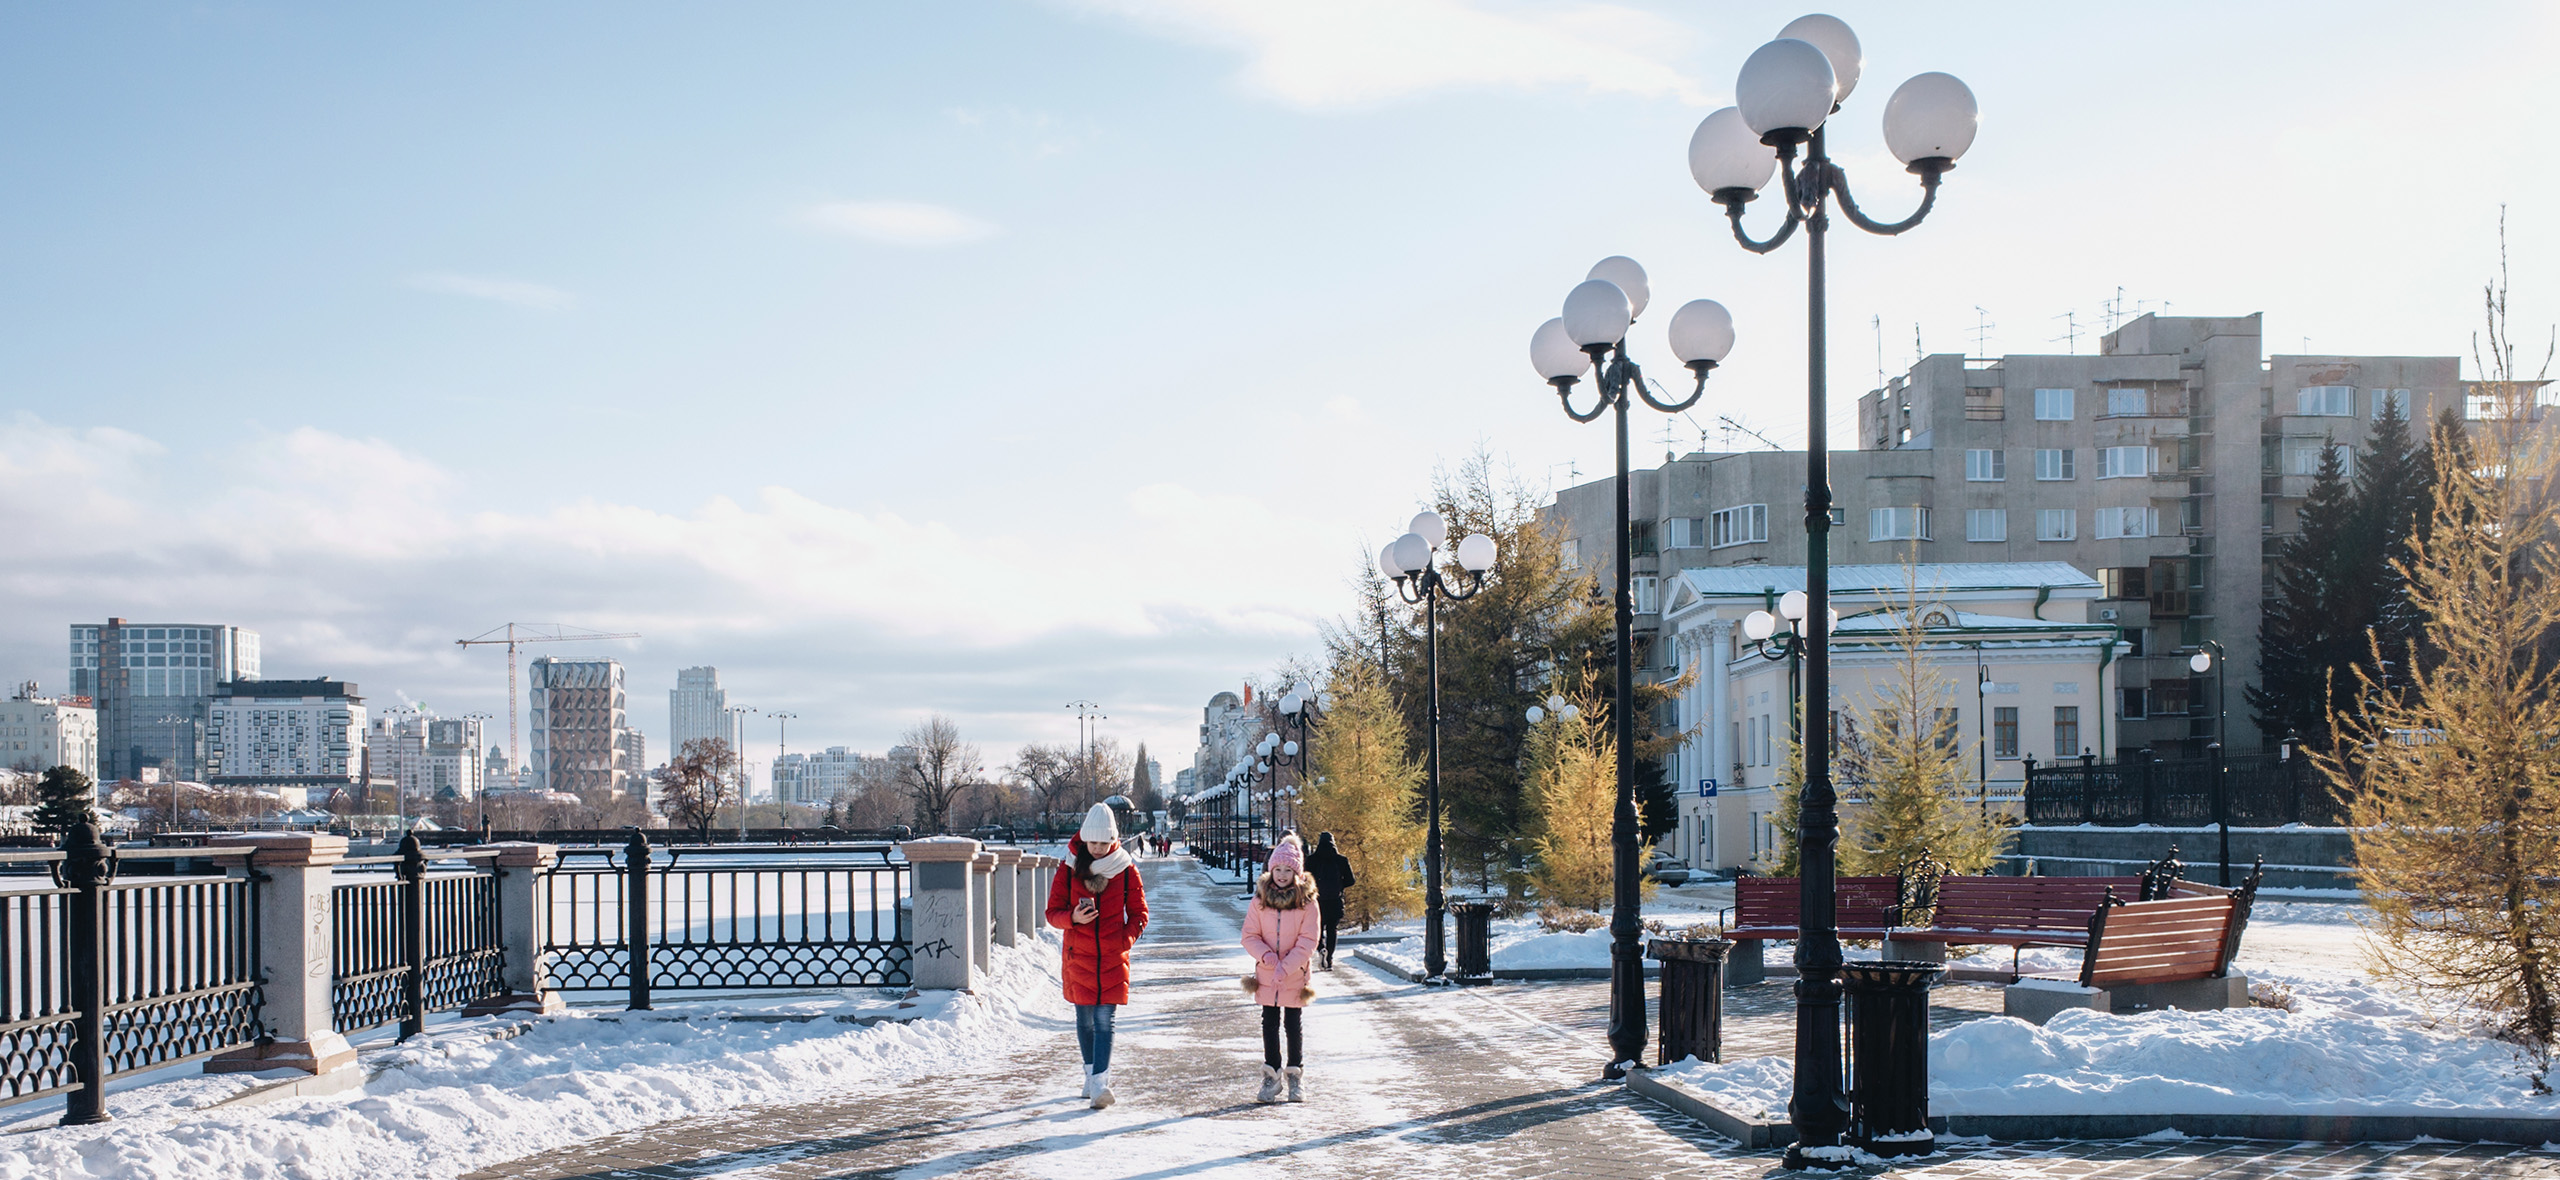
(1281, 929)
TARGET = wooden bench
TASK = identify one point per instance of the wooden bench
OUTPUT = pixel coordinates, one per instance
(2171, 952)
(1769, 908)
(2016, 912)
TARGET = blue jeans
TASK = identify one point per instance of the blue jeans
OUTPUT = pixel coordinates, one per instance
(1093, 1034)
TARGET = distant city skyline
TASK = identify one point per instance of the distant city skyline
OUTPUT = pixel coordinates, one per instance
(912, 359)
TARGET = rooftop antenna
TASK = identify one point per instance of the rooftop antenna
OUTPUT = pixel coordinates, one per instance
(2113, 309)
(1879, 323)
(1918, 354)
(2070, 330)
(1982, 326)
(1764, 439)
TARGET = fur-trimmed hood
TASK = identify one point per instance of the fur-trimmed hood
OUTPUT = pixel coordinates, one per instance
(1104, 867)
(1301, 892)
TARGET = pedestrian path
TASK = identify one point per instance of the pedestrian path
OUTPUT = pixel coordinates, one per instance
(1403, 1082)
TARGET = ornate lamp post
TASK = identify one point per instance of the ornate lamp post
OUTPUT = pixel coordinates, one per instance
(1788, 90)
(1761, 628)
(1409, 559)
(1591, 336)
(2209, 658)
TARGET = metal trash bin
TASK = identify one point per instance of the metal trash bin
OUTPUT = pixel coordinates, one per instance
(1888, 1015)
(1475, 942)
(1692, 997)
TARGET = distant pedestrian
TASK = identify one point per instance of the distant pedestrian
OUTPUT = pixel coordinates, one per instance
(1100, 904)
(1280, 933)
(1332, 873)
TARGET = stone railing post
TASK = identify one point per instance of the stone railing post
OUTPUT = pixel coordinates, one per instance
(982, 909)
(524, 923)
(1026, 888)
(1007, 899)
(938, 932)
(295, 929)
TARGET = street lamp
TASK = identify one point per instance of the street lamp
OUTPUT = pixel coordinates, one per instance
(782, 746)
(173, 721)
(738, 760)
(1788, 90)
(1761, 628)
(1409, 560)
(1591, 335)
(2209, 658)
(482, 792)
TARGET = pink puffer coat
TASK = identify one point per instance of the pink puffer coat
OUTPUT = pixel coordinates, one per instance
(1281, 929)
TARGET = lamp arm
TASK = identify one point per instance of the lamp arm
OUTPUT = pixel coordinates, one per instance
(1475, 583)
(1837, 182)
(1646, 388)
(1733, 199)
(1420, 591)
(1564, 397)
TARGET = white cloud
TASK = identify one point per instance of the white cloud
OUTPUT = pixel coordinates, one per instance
(512, 292)
(1324, 54)
(899, 223)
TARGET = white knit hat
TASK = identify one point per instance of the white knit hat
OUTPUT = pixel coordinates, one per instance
(1098, 827)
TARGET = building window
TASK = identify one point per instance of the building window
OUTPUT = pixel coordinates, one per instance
(1948, 729)
(1898, 524)
(2053, 405)
(2128, 403)
(2124, 462)
(2391, 399)
(1640, 538)
(2325, 401)
(2134, 700)
(1646, 589)
(2004, 731)
(2129, 581)
(1986, 466)
(1986, 524)
(2056, 524)
(2066, 731)
(2053, 465)
(2302, 457)
(1683, 532)
(1572, 554)
(1742, 524)
(2124, 522)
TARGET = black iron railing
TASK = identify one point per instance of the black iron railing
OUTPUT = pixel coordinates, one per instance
(640, 920)
(413, 940)
(2256, 792)
(107, 977)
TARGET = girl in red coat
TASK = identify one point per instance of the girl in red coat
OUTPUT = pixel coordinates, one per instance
(1099, 903)
(1281, 929)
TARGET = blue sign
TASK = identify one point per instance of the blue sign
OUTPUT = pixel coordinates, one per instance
(1706, 788)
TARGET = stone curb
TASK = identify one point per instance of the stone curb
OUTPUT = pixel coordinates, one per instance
(2025, 1128)
(1522, 974)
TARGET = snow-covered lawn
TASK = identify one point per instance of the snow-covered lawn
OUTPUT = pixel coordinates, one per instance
(461, 1097)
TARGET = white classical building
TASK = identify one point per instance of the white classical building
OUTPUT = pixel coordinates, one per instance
(38, 733)
(2022, 651)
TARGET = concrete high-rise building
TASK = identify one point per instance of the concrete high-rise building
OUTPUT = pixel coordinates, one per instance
(152, 685)
(821, 778)
(699, 708)
(38, 733)
(583, 742)
(2167, 466)
(427, 757)
(286, 734)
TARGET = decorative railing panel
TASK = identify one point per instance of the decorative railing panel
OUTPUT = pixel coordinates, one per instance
(2255, 792)
(372, 958)
(727, 919)
(182, 977)
(36, 1012)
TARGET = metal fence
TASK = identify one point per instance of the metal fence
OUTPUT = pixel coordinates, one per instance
(106, 977)
(725, 918)
(2256, 791)
(412, 940)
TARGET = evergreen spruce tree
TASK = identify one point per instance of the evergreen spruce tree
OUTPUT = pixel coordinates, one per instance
(2374, 597)
(2302, 632)
(1363, 787)
(64, 797)
(1910, 770)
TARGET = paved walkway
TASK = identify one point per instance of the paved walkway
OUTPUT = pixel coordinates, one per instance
(1403, 1082)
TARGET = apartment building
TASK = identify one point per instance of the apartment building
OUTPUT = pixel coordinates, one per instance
(2166, 466)
(286, 734)
(583, 742)
(38, 732)
(153, 685)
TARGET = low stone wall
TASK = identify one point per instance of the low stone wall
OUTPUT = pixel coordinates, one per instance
(2297, 858)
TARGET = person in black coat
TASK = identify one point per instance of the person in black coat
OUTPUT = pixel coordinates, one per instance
(1332, 873)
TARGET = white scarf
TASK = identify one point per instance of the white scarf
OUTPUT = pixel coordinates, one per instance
(1107, 867)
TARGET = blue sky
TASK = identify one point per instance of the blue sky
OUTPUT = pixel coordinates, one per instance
(978, 357)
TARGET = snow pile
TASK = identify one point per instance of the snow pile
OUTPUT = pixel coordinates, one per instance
(462, 1099)
(1755, 1088)
(2323, 1060)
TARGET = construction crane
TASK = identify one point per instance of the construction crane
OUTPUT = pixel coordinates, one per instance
(515, 634)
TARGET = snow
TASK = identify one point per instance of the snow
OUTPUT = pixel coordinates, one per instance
(469, 1094)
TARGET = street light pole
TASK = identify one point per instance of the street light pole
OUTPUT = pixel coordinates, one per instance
(2209, 658)
(1591, 336)
(1418, 581)
(1788, 90)
(782, 746)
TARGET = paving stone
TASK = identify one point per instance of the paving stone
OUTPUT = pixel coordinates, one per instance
(1405, 1083)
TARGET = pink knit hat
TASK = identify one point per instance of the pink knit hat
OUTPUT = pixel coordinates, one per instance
(1289, 854)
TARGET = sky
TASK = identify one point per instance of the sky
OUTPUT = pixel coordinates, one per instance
(979, 357)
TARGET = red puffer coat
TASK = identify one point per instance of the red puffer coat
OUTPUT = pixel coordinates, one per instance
(1096, 965)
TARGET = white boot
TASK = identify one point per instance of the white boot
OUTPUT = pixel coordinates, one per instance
(1088, 1083)
(1294, 1075)
(1270, 1086)
(1102, 1096)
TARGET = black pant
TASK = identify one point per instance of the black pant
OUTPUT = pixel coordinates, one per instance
(1332, 925)
(1275, 1018)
